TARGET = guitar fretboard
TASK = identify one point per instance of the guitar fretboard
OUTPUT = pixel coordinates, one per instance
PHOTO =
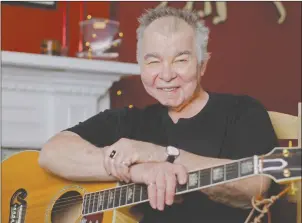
(137, 193)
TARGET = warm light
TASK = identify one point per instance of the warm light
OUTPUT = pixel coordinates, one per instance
(89, 17)
(130, 106)
(119, 92)
(121, 34)
(93, 35)
(87, 44)
(99, 25)
(89, 55)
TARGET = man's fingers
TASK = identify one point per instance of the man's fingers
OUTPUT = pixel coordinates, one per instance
(152, 195)
(120, 169)
(113, 170)
(170, 188)
(161, 190)
(123, 172)
(181, 173)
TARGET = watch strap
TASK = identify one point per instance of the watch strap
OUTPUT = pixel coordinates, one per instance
(171, 159)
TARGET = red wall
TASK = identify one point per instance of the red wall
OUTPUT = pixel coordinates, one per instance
(251, 53)
(24, 28)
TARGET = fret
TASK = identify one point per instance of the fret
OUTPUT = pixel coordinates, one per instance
(144, 193)
(85, 209)
(130, 194)
(246, 167)
(123, 195)
(106, 196)
(90, 203)
(87, 203)
(232, 171)
(193, 180)
(100, 201)
(117, 197)
(137, 192)
(95, 202)
(224, 172)
(111, 198)
(218, 174)
(205, 177)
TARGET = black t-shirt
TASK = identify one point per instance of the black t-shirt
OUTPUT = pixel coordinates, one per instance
(229, 126)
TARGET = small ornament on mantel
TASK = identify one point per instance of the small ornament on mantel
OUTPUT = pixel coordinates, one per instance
(56, 47)
(99, 38)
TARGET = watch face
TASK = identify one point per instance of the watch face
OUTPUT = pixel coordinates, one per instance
(172, 151)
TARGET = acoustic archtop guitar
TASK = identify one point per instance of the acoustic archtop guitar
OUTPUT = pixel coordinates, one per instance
(32, 195)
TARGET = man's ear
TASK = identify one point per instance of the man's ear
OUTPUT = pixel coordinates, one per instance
(204, 64)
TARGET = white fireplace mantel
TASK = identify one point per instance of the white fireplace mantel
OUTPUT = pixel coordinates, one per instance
(42, 95)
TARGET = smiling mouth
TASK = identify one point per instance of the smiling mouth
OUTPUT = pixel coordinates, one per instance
(171, 89)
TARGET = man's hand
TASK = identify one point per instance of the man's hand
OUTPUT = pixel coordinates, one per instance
(161, 179)
(126, 152)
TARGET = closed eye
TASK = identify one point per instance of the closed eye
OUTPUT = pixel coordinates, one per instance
(183, 60)
(152, 62)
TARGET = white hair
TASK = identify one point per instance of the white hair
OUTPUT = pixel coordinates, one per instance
(191, 18)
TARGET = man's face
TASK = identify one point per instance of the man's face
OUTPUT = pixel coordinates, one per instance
(170, 71)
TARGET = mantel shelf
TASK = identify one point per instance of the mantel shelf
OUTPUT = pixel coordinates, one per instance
(42, 95)
(41, 61)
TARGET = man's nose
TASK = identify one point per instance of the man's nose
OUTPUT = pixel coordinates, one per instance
(167, 73)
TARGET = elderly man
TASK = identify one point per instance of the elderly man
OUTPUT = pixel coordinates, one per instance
(189, 129)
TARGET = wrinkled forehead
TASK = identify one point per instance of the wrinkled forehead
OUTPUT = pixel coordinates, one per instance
(168, 34)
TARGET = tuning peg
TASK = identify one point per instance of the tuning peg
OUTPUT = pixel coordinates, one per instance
(293, 189)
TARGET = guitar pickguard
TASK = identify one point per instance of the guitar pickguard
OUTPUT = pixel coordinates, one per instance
(18, 206)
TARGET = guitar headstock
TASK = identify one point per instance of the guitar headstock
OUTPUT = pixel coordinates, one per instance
(282, 164)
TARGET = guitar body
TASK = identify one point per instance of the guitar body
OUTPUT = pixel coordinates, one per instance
(32, 195)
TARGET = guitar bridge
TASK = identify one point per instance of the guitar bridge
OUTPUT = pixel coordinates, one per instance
(18, 207)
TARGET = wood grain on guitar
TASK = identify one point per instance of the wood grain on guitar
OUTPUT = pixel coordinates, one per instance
(30, 194)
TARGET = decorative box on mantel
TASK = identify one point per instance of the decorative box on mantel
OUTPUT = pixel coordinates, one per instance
(42, 95)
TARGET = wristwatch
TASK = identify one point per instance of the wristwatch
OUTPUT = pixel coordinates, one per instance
(172, 153)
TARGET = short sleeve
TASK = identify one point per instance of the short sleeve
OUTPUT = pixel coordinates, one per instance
(106, 127)
(250, 130)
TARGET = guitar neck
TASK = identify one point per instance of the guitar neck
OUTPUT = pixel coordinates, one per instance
(130, 194)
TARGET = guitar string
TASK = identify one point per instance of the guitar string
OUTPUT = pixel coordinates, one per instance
(63, 209)
(60, 208)
(55, 210)
(79, 199)
(62, 202)
(80, 196)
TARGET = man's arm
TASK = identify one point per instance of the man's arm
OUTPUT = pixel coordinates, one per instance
(78, 152)
(71, 157)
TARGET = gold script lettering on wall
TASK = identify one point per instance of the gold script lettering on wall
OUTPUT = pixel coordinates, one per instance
(221, 9)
